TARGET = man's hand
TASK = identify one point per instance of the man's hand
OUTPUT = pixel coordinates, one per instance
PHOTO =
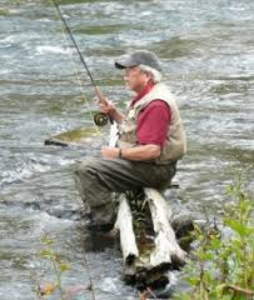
(109, 152)
(108, 108)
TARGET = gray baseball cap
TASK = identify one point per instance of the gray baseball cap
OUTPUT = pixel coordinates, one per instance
(140, 57)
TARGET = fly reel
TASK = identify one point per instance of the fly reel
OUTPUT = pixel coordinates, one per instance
(100, 119)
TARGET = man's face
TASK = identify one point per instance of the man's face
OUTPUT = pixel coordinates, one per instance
(135, 79)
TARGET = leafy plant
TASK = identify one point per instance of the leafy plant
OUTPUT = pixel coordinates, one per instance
(59, 267)
(223, 268)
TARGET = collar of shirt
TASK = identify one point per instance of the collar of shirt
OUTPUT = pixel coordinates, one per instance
(143, 92)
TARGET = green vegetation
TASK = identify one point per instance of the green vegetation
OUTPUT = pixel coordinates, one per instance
(223, 268)
(58, 266)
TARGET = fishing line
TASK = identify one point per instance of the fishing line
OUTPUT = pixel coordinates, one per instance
(100, 119)
(74, 42)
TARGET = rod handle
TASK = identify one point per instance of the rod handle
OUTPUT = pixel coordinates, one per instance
(102, 100)
(100, 96)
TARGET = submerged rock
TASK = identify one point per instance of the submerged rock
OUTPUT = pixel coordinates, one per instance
(75, 137)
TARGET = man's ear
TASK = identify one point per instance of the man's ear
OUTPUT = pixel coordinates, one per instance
(148, 77)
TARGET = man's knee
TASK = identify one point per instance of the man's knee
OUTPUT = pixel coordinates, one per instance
(86, 168)
(89, 179)
(84, 177)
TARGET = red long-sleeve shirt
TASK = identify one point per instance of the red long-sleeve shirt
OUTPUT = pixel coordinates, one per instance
(153, 121)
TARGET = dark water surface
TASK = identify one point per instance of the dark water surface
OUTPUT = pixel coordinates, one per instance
(207, 48)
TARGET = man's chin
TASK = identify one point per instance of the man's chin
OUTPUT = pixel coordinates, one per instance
(128, 87)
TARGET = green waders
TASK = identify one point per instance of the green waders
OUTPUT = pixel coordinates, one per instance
(97, 178)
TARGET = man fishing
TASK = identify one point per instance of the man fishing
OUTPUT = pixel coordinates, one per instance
(151, 140)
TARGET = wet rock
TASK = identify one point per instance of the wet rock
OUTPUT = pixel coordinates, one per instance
(183, 226)
(76, 137)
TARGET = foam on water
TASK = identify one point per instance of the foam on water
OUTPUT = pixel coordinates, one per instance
(9, 40)
(52, 49)
(28, 166)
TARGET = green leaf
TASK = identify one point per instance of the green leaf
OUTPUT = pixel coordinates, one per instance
(215, 244)
(46, 253)
(45, 240)
(206, 256)
(229, 190)
(193, 281)
(241, 229)
(220, 288)
(63, 267)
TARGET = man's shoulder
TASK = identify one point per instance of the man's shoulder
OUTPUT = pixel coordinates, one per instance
(158, 103)
(161, 87)
(161, 91)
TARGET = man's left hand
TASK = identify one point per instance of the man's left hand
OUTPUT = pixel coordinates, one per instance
(109, 152)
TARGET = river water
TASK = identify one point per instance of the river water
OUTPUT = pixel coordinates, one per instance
(207, 49)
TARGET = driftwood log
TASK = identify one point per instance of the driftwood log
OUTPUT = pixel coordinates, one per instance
(148, 254)
(124, 225)
(166, 248)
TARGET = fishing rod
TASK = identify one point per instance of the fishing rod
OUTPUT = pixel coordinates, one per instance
(100, 118)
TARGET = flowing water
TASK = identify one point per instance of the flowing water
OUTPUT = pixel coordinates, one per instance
(207, 49)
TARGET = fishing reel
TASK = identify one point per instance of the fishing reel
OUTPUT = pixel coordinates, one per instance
(101, 119)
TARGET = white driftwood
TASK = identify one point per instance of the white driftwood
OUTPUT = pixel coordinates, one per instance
(127, 237)
(166, 247)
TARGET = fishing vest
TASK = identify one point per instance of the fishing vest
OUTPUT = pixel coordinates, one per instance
(175, 145)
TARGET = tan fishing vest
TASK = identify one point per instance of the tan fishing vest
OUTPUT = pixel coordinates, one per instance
(175, 144)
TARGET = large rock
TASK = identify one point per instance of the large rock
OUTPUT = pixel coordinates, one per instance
(76, 137)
